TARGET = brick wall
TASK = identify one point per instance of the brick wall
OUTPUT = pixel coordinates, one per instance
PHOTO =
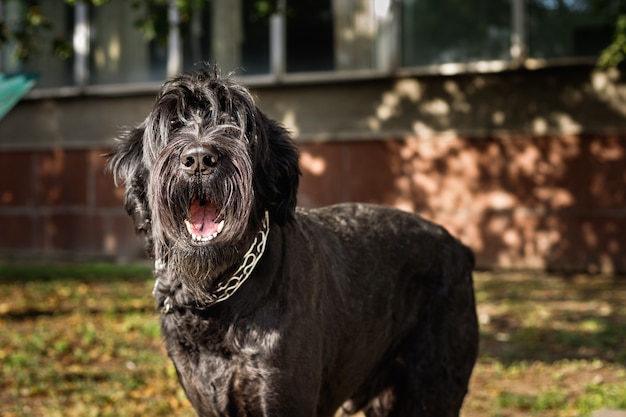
(545, 202)
(60, 203)
(556, 203)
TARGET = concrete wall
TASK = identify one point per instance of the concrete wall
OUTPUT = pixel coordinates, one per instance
(528, 168)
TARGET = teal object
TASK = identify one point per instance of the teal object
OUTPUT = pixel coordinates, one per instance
(12, 89)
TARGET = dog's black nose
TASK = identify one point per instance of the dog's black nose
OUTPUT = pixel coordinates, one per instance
(199, 158)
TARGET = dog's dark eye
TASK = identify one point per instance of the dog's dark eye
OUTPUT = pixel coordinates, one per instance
(210, 160)
(176, 124)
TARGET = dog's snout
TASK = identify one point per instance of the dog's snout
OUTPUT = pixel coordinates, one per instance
(199, 159)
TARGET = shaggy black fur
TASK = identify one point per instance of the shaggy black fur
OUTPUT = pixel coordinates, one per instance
(351, 307)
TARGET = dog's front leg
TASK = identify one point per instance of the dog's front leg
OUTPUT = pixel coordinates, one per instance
(241, 370)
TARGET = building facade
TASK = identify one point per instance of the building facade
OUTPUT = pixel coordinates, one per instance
(491, 119)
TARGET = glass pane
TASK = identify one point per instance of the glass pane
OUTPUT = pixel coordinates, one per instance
(363, 34)
(255, 47)
(444, 31)
(119, 51)
(53, 70)
(570, 28)
(309, 35)
(233, 34)
(196, 36)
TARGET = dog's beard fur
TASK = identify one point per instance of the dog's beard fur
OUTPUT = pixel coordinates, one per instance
(228, 188)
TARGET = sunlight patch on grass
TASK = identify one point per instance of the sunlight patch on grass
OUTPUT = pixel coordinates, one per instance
(549, 346)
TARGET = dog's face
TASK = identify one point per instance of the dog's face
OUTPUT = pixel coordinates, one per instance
(202, 169)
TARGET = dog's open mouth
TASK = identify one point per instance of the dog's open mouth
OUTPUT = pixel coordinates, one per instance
(203, 224)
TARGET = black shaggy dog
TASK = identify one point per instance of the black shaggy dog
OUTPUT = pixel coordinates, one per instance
(272, 310)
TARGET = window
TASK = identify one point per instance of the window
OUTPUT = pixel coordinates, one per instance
(570, 28)
(231, 33)
(296, 39)
(364, 35)
(309, 35)
(443, 31)
(58, 72)
(118, 51)
(255, 45)
(318, 35)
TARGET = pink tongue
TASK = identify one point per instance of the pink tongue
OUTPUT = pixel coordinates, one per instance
(202, 218)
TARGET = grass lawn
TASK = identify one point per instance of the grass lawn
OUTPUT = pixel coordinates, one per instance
(83, 340)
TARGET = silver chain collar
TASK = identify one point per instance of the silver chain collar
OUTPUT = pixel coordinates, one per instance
(250, 259)
(227, 288)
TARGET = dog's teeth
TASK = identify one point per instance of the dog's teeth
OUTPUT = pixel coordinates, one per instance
(198, 238)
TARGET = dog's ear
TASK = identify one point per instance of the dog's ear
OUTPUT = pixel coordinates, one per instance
(126, 159)
(127, 167)
(276, 183)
